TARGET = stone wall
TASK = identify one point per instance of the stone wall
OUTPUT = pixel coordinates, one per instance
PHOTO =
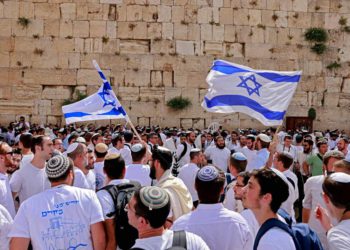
(153, 50)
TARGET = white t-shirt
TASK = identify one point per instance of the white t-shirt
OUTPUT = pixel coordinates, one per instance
(91, 180)
(339, 236)
(6, 195)
(80, 180)
(219, 227)
(59, 218)
(261, 158)
(26, 159)
(276, 239)
(5, 227)
(188, 175)
(106, 200)
(253, 224)
(28, 181)
(165, 241)
(186, 158)
(251, 155)
(219, 157)
(124, 152)
(291, 150)
(100, 175)
(139, 173)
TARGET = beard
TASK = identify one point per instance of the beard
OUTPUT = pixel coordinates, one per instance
(221, 146)
(152, 173)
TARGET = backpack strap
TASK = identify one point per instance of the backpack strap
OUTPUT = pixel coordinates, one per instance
(184, 151)
(291, 181)
(271, 223)
(179, 239)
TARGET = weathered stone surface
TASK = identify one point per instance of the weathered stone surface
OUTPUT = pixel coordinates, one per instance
(56, 93)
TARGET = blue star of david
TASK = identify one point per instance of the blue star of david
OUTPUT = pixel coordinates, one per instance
(104, 94)
(243, 84)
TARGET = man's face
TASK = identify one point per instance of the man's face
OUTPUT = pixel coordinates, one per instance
(61, 136)
(323, 149)
(330, 165)
(108, 139)
(341, 145)
(220, 143)
(258, 144)
(238, 188)
(234, 137)
(17, 158)
(58, 145)
(8, 157)
(251, 194)
(307, 148)
(243, 141)
(287, 142)
(250, 144)
(91, 160)
(153, 139)
(191, 137)
(209, 137)
(84, 157)
(182, 139)
(47, 148)
(100, 139)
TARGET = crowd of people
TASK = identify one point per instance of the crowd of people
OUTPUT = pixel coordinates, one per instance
(107, 187)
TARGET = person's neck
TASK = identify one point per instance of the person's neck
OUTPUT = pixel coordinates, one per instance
(38, 162)
(262, 216)
(150, 232)
(345, 216)
(3, 170)
(58, 183)
(83, 169)
(26, 151)
(159, 174)
(137, 162)
(100, 159)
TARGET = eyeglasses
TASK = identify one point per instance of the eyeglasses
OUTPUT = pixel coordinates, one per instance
(127, 208)
(8, 153)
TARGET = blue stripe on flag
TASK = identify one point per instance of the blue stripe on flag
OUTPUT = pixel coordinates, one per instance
(228, 69)
(102, 75)
(114, 111)
(238, 100)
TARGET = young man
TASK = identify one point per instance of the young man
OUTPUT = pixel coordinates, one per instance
(119, 148)
(264, 194)
(183, 149)
(101, 150)
(249, 151)
(180, 197)
(62, 217)
(31, 178)
(315, 161)
(148, 210)
(287, 147)
(219, 154)
(262, 155)
(211, 218)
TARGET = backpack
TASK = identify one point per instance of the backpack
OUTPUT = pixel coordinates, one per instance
(179, 242)
(303, 236)
(121, 194)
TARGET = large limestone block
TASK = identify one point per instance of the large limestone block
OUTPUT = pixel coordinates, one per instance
(68, 11)
(254, 17)
(226, 16)
(6, 92)
(69, 60)
(331, 99)
(149, 13)
(300, 5)
(164, 13)
(151, 94)
(11, 9)
(26, 9)
(218, 33)
(344, 100)
(154, 30)
(204, 15)
(134, 46)
(97, 28)
(134, 13)
(52, 27)
(46, 11)
(332, 20)
(185, 47)
(90, 76)
(213, 48)
(299, 20)
(299, 99)
(333, 84)
(206, 32)
(180, 31)
(167, 31)
(137, 78)
(81, 29)
(5, 27)
(346, 86)
(42, 107)
(56, 92)
(128, 93)
(258, 50)
(178, 14)
(11, 107)
(235, 49)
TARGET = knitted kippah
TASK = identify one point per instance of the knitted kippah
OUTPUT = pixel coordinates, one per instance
(154, 197)
(57, 166)
(208, 173)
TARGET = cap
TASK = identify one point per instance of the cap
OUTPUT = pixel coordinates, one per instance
(208, 173)
(340, 177)
(239, 156)
(195, 150)
(154, 197)
(72, 147)
(81, 140)
(57, 166)
(264, 138)
(101, 148)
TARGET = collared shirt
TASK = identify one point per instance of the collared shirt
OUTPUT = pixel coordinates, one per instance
(188, 175)
(215, 225)
(6, 195)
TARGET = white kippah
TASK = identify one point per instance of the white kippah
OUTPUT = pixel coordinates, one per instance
(239, 156)
(207, 173)
(340, 177)
(72, 147)
(136, 147)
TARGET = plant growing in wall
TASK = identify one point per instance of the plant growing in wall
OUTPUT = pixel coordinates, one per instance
(79, 96)
(318, 36)
(311, 113)
(178, 103)
(333, 65)
(23, 21)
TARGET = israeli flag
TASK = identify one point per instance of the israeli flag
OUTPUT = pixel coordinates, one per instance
(102, 105)
(262, 94)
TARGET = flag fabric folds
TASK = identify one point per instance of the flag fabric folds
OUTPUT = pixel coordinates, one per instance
(261, 94)
(102, 105)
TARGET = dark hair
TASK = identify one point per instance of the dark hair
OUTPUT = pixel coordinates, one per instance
(309, 141)
(299, 138)
(271, 183)
(116, 138)
(37, 140)
(88, 136)
(155, 217)
(237, 164)
(234, 132)
(209, 191)
(114, 167)
(72, 137)
(287, 137)
(137, 156)
(245, 175)
(100, 155)
(345, 165)
(194, 154)
(286, 159)
(337, 192)
(164, 156)
(55, 140)
(128, 136)
(65, 175)
(95, 138)
(26, 140)
(321, 142)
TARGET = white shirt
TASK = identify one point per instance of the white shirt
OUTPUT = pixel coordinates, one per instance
(80, 180)
(5, 227)
(28, 181)
(170, 144)
(251, 155)
(260, 159)
(339, 236)
(91, 180)
(288, 205)
(232, 146)
(59, 218)
(219, 157)
(188, 175)
(313, 197)
(124, 152)
(291, 150)
(26, 159)
(186, 158)
(294, 178)
(106, 200)
(301, 158)
(100, 175)
(139, 173)
(165, 241)
(6, 195)
(276, 239)
(253, 224)
(219, 227)
(230, 201)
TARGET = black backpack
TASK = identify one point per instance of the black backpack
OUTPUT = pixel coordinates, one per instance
(179, 241)
(121, 194)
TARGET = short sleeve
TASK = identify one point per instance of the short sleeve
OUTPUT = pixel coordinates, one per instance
(96, 209)
(307, 201)
(15, 182)
(20, 227)
(337, 239)
(106, 203)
